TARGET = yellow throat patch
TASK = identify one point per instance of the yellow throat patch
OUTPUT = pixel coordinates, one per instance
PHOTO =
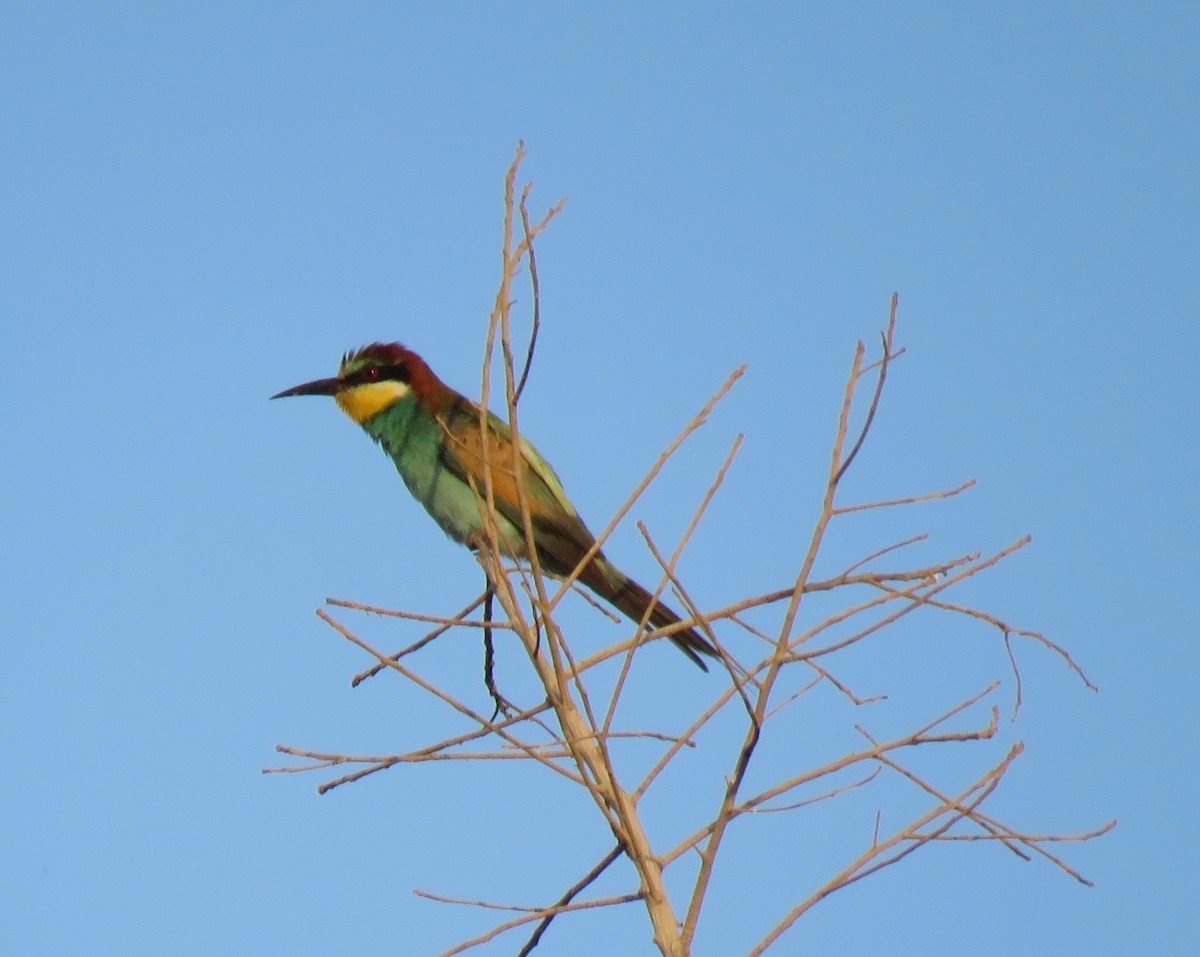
(369, 399)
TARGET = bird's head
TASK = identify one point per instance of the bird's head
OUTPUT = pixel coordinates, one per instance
(372, 379)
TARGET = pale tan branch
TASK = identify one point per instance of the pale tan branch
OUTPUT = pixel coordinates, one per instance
(915, 601)
(415, 646)
(1005, 835)
(852, 786)
(697, 421)
(1010, 838)
(957, 810)
(879, 852)
(532, 914)
(908, 500)
(447, 698)
(533, 911)
(668, 568)
(1009, 630)
(535, 288)
(884, 361)
(781, 651)
(556, 670)
(391, 760)
(855, 699)
(887, 549)
(735, 689)
(570, 894)
(457, 621)
(795, 695)
(920, 736)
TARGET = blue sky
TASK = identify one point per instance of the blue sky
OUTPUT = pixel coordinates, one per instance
(204, 205)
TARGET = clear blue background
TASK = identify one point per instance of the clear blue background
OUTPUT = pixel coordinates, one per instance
(204, 204)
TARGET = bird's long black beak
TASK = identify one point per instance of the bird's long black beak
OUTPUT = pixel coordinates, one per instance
(317, 387)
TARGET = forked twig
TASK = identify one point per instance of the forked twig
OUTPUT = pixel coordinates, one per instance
(887, 338)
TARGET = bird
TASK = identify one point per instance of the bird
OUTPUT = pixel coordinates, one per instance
(432, 434)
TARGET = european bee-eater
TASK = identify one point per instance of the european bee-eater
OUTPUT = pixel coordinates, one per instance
(432, 434)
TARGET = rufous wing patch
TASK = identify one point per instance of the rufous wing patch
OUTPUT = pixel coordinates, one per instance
(560, 531)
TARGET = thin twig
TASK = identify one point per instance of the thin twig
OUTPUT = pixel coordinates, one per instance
(883, 368)
(907, 500)
(447, 698)
(537, 298)
(571, 893)
(533, 914)
(415, 646)
(863, 865)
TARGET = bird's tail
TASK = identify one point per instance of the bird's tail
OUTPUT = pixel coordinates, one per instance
(632, 600)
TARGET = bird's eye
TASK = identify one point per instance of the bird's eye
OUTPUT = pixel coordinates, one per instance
(370, 374)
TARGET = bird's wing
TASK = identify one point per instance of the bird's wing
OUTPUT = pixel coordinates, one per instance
(561, 536)
(559, 533)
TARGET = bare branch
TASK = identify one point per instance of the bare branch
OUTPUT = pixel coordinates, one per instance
(668, 568)
(887, 549)
(539, 913)
(883, 367)
(537, 297)
(908, 500)
(590, 748)
(415, 646)
(447, 698)
(697, 421)
(572, 892)
(852, 786)
(877, 856)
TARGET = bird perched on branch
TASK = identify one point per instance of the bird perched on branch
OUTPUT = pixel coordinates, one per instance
(433, 436)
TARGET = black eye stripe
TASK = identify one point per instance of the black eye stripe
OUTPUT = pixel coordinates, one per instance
(378, 373)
